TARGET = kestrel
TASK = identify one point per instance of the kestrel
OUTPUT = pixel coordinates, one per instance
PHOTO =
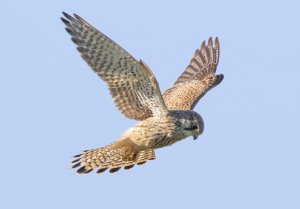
(163, 118)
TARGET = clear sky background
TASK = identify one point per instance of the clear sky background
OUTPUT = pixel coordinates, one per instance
(53, 106)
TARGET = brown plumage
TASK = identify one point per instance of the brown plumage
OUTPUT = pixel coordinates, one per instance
(164, 119)
(198, 78)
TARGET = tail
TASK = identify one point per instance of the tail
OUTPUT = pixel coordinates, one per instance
(113, 157)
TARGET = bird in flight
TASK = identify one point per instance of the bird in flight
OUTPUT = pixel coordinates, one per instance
(163, 118)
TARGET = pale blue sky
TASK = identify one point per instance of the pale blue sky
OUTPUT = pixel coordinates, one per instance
(52, 106)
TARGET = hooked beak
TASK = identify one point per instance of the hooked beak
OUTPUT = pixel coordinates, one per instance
(195, 137)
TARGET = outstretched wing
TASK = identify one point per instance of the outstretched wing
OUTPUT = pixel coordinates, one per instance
(131, 83)
(198, 78)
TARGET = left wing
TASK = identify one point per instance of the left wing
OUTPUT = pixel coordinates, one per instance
(131, 83)
(198, 78)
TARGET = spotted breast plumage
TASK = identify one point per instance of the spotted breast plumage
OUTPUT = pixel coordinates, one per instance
(163, 118)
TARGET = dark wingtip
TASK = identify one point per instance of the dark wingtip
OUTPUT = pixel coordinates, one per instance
(80, 19)
(77, 155)
(128, 167)
(217, 43)
(77, 16)
(76, 165)
(113, 170)
(69, 31)
(66, 22)
(141, 163)
(203, 45)
(75, 161)
(69, 17)
(101, 170)
(220, 78)
(83, 170)
(210, 41)
(88, 171)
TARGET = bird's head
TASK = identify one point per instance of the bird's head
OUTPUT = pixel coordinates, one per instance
(193, 125)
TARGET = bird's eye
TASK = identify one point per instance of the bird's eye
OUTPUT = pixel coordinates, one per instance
(193, 127)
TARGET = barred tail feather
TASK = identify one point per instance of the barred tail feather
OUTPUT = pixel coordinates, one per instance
(112, 157)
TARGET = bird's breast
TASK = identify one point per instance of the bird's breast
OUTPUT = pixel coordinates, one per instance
(154, 133)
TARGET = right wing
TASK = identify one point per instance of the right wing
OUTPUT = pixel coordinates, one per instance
(198, 78)
(131, 83)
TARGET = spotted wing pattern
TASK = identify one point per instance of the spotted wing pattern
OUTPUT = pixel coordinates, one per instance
(198, 78)
(131, 83)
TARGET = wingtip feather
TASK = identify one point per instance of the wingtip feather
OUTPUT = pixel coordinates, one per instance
(217, 43)
(65, 21)
(210, 41)
(113, 170)
(69, 17)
